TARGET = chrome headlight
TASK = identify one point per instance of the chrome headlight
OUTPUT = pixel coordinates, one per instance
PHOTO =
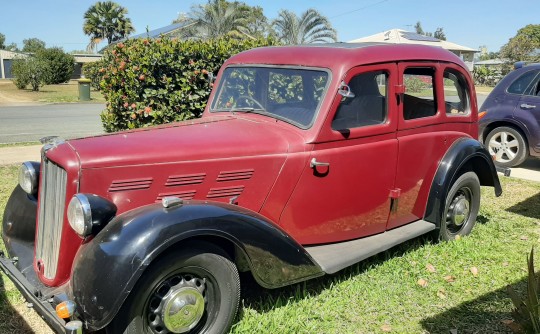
(29, 177)
(88, 213)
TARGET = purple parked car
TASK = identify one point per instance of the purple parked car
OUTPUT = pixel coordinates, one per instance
(509, 119)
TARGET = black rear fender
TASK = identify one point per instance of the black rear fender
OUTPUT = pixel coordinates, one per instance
(106, 268)
(464, 155)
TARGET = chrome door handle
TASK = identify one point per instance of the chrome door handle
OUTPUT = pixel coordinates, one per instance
(314, 163)
(527, 106)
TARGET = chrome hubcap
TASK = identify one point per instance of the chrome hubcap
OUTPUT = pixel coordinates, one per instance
(504, 146)
(183, 308)
(177, 305)
(459, 211)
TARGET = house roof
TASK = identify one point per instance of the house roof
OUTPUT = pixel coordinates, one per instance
(399, 36)
(5, 54)
(489, 62)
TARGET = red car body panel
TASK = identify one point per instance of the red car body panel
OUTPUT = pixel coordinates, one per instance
(263, 164)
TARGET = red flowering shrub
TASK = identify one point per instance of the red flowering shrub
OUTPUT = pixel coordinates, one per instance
(148, 82)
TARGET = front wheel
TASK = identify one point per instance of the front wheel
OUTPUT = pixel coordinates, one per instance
(196, 290)
(508, 146)
(461, 207)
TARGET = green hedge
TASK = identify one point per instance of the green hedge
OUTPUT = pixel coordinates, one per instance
(94, 71)
(148, 82)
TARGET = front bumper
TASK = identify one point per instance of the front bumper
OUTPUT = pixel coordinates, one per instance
(41, 304)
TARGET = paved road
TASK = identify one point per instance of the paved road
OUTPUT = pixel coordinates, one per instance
(29, 123)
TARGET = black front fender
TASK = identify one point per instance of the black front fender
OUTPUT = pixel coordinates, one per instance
(106, 268)
(464, 155)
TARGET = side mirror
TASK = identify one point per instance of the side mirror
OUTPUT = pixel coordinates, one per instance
(345, 91)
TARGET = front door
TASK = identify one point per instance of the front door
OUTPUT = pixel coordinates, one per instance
(344, 193)
(527, 112)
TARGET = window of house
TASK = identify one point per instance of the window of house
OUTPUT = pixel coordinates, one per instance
(456, 96)
(369, 104)
(419, 97)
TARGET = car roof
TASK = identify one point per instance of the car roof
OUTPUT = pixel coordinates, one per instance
(334, 55)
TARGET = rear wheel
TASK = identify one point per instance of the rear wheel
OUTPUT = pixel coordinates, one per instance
(461, 207)
(508, 146)
(196, 290)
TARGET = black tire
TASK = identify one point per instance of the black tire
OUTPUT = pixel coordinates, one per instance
(205, 269)
(508, 145)
(461, 207)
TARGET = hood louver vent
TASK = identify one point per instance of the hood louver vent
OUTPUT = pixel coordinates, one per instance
(181, 180)
(225, 192)
(234, 175)
(132, 184)
(186, 195)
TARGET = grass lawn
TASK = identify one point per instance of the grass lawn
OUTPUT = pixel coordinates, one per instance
(419, 287)
(67, 92)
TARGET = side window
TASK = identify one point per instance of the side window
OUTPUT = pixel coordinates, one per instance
(419, 98)
(534, 89)
(456, 93)
(369, 104)
(520, 85)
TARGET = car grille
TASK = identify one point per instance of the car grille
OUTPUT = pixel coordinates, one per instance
(52, 202)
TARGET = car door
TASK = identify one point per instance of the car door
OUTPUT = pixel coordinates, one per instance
(344, 192)
(421, 139)
(527, 112)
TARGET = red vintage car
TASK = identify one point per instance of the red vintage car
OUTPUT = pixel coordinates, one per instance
(307, 159)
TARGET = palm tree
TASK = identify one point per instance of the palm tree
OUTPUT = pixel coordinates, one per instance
(310, 27)
(215, 19)
(107, 20)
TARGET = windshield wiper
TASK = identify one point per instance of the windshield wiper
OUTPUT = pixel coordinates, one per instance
(248, 109)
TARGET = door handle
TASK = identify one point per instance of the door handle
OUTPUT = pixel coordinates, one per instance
(527, 106)
(314, 163)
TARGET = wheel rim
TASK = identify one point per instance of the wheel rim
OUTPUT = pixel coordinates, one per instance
(178, 304)
(459, 210)
(504, 146)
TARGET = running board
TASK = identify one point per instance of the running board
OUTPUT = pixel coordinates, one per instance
(334, 257)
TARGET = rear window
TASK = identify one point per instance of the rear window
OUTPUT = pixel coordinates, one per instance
(521, 84)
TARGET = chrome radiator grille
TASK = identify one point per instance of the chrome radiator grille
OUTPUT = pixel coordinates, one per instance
(52, 199)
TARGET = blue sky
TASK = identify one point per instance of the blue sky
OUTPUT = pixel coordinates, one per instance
(467, 22)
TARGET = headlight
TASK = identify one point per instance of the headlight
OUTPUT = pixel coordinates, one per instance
(88, 214)
(29, 177)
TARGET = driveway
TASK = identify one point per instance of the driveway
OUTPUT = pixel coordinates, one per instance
(30, 123)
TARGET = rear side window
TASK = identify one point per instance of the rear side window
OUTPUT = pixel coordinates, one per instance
(456, 93)
(521, 84)
(419, 98)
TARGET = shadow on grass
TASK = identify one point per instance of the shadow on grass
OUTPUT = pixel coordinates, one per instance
(263, 300)
(485, 314)
(528, 208)
(10, 320)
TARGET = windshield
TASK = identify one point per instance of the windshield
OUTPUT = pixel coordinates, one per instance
(290, 94)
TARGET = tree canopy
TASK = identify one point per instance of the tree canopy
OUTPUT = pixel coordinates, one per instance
(439, 32)
(310, 27)
(106, 20)
(33, 45)
(523, 46)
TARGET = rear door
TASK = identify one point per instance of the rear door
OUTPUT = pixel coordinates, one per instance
(527, 110)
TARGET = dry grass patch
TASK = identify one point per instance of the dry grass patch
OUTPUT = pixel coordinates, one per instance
(62, 93)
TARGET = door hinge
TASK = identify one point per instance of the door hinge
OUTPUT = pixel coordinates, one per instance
(400, 89)
(395, 193)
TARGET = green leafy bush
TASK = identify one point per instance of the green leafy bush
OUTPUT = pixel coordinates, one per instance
(94, 72)
(59, 65)
(148, 82)
(527, 311)
(30, 71)
(414, 84)
(21, 76)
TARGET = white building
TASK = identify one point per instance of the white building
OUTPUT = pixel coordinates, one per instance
(398, 36)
